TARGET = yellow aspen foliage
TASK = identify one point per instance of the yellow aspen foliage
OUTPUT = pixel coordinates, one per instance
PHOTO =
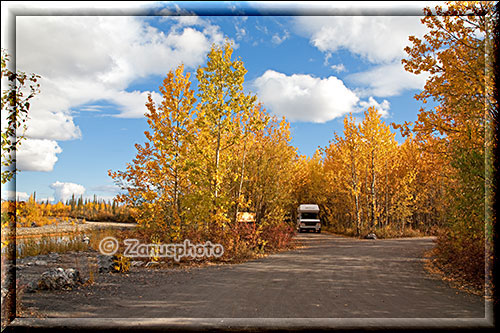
(209, 158)
(456, 56)
(155, 180)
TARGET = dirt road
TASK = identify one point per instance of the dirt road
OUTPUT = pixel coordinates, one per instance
(330, 277)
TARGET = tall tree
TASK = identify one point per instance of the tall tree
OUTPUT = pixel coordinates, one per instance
(157, 179)
(456, 55)
(21, 88)
(222, 102)
(378, 144)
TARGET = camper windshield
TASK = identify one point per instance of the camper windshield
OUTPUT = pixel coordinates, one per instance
(309, 216)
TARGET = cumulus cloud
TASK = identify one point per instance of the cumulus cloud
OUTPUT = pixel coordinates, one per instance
(37, 155)
(302, 97)
(305, 98)
(102, 56)
(131, 104)
(86, 59)
(63, 191)
(383, 108)
(378, 39)
(387, 80)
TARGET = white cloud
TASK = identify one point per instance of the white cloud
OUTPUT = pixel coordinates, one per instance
(183, 20)
(240, 32)
(302, 97)
(11, 195)
(328, 55)
(378, 39)
(45, 198)
(86, 59)
(64, 191)
(132, 104)
(387, 80)
(101, 57)
(338, 68)
(44, 124)
(37, 155)
(277, 39)
(383, 108)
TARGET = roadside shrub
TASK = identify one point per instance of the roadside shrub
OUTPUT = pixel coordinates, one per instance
(277, 236)
(461, 255)
(121, 263)
(391, 231)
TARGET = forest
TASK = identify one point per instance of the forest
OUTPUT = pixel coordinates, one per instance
(213, 152)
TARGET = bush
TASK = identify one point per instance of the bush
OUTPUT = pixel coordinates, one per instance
(392, 231)
(461, 255)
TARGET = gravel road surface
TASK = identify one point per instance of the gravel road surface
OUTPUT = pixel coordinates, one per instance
(329, 277)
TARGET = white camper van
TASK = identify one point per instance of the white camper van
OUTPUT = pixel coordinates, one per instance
(308, 218)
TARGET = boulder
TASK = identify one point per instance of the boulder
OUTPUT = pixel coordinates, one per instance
(57, 279)
(106, 263)
(371, 236)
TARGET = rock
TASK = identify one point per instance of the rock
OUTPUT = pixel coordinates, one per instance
(371, 236)
(53, 256)
(56, 279)
(106, 263)
(40, 263)
(74, 275)
(32, 287)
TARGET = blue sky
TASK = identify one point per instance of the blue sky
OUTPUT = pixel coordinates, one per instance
(97, 71)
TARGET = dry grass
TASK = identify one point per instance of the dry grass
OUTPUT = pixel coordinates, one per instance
(44, 245)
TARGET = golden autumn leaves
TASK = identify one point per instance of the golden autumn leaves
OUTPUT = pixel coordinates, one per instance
(216, 152)
(208, 155)
(365, 181)
(457, 53)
